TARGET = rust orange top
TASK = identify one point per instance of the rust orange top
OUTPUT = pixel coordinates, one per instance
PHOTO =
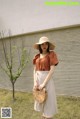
(43, 64)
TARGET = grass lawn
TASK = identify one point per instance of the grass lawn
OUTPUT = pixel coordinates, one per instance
(22, 107)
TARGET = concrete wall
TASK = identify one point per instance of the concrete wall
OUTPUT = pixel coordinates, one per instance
(67, 73)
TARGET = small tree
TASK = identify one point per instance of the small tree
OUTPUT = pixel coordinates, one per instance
(9, 60)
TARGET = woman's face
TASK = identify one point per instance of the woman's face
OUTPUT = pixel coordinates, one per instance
(44, 46)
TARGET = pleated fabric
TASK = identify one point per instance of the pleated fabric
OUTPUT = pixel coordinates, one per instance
(49, 107)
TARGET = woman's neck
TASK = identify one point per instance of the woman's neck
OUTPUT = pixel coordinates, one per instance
(44, 53)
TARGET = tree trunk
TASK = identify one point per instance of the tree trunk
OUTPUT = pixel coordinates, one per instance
(13, 89)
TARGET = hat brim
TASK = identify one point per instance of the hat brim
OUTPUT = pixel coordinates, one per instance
(51, 46)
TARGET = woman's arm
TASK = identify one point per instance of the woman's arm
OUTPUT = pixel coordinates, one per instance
(35, 80)
(34, 75)
(48, 77)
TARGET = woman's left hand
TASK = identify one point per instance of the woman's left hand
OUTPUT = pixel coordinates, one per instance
(41, 86)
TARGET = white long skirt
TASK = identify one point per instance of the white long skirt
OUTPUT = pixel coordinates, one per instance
(49, 107)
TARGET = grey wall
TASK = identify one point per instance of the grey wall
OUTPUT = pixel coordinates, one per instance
(67, 73)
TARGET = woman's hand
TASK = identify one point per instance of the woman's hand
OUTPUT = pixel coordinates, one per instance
(36, 86)
(41, 86)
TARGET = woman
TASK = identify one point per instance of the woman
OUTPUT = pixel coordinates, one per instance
(44, 65)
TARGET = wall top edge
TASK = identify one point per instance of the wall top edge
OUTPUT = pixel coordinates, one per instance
(43, 30)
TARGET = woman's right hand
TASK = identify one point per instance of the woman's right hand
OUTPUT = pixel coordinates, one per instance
(36, 86)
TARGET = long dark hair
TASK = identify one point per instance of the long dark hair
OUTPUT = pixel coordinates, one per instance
(40, 50)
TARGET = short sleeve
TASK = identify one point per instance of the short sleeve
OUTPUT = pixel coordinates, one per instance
(53, 58)
(35, 58)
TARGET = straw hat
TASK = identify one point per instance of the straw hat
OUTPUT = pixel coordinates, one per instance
(43, 40)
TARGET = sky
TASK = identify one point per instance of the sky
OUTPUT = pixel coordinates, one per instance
(24, 16)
